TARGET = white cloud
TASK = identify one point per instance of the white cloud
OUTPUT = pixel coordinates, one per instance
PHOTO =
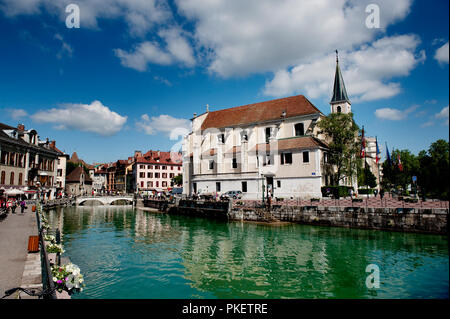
(140, 15)
(443, 114)
(94, 117)
(394, 114)
(66, 49)
(255, 36)
(441, 54)
(166, 124)
(146, 52)
(16, 113)
(367, 71)
(177, 50)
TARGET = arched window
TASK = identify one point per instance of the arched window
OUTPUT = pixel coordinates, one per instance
(11, 180)
(339, 109)
(2, 181)
(20, 178)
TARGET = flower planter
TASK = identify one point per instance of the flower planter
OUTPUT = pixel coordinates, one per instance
(52, 258)
(62, 295)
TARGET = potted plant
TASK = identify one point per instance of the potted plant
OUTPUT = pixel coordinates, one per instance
(68, 278)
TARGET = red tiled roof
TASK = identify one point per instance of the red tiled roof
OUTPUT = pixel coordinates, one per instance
(74, 176)
(260, 112)
(159, 157)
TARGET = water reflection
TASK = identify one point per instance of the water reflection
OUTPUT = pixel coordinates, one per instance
(128, 253)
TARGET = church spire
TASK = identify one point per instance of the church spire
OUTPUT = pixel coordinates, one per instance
(339, 91)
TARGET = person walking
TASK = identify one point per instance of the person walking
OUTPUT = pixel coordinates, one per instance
(13, 206)
(23, 205)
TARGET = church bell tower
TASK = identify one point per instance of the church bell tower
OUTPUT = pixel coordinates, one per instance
(340, 102)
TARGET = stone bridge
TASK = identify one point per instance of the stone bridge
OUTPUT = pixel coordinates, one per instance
(105, 200)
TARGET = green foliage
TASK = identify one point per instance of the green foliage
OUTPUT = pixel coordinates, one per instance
(434, 170)
(178, 180)
(366, 177)
(364, 191)
(341, 132)
(335, 191)
(431, 168)
(70, 166)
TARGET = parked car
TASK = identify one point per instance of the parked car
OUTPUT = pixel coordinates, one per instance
(231, 194)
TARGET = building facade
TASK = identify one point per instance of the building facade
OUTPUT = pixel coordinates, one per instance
(27, 163)
(60, 170)
(268, 148)
(154, 170)
(78, 182)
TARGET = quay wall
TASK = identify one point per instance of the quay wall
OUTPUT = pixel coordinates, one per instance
(394, 219)
(430, 220)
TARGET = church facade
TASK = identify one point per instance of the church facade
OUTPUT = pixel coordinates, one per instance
(271, 148)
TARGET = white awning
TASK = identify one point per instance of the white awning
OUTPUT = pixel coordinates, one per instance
(14, 191)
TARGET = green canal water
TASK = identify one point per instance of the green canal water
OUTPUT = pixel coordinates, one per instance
(127, 253)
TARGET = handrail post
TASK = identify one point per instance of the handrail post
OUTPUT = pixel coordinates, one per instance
(49, 284)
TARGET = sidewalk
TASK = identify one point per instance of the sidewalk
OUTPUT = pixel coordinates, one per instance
(14, 257)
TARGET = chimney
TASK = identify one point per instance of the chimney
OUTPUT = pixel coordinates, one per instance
(20, 127)
(52, 144)
(137, 154)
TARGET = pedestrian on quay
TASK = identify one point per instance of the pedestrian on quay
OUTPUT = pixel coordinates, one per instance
(381, 193)
(23, 205)
(13, 206)
(376, 192)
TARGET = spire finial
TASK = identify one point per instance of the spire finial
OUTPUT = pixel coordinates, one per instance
(337, 56)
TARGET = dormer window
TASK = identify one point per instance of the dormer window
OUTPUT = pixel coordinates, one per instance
(268, 133)
(299, 129)
(244, 136)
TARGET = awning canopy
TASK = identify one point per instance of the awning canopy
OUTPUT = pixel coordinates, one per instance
(14, 191)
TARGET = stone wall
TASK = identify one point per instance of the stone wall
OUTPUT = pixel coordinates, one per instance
(395, 219)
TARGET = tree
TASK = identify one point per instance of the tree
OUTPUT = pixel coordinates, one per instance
(344, 145)
(178, 180)
(430, 167)
(393, 176)
(366, 177)
(434, 170)
(70, 166)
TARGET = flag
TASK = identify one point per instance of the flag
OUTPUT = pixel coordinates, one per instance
(363, 144)
(388, 157)
(400, 166)
(377, 156)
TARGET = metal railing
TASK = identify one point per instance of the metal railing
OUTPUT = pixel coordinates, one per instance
(47, 278)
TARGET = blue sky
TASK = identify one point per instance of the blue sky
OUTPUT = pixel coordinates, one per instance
(136, 70)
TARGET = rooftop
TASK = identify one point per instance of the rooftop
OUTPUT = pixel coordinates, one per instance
(260, 112)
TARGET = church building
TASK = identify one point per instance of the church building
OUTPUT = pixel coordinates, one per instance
(266, 148)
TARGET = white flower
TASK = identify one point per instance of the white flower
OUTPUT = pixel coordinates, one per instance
(70, 282)
(55, 279)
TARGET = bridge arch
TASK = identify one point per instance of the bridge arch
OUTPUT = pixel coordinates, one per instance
(104, 200)
(128, 200)
(90, 200)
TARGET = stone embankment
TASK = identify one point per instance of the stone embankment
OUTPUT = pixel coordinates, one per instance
(394, 219)
(423, 220)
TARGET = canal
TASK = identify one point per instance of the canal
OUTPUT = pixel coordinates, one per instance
(128, 253)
